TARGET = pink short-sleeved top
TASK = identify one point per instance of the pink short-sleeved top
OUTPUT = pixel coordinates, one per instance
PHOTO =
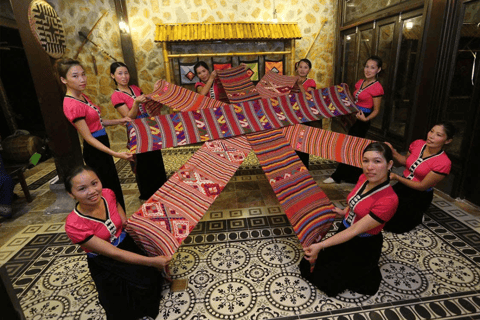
(213, 92)
(364, 97)
(120, 98)
(80, 228)
(75, 110)
(418, 167)
(380, 203)
(309, 83)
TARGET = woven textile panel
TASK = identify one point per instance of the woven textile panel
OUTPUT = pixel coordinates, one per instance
(306, 205)
(162, 222)
(166, 131)
(274, 66)
(178, 98)
(273, 84)
(237, 84)
(187, 74)
(252, 69)
(327, 144)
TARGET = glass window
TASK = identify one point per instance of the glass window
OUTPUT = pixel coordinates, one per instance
(365, 51)
(405, 79)
(462, 87)
(384, 51)
(348, 64)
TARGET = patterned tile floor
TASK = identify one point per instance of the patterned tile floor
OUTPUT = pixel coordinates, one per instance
(241, 259)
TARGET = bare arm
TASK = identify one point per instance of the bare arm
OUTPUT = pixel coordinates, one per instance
(376, 109)
(105, 248)
(114, 122)
(365, 224)
(429, 181)
(82, 128)
(132, 113)
(402, 160)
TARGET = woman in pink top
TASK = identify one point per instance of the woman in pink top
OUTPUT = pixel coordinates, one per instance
(426, 165)
(206, 86)
(127, 99)
(86, 118)
(368, 98)
(302, 68)
(129, 284)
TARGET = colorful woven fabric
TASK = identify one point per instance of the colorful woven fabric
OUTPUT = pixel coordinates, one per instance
(162, 222)
(179, 98)
(273, 85)
(275, 66)
(187, 74)
(237, 84)
(327, 144)
(306, 205)
(252, 69)
(171, 130)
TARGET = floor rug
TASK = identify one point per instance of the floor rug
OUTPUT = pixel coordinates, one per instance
(241, 263)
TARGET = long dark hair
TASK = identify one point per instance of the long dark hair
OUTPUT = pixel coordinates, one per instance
(75, 172)
(198, 65)
(377, 59)
(380, 147)
(114, 66)
(449, 129)
(308, 62)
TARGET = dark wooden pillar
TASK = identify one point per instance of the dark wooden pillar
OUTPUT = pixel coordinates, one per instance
(126, 41)
(432, 76)
(63, 138)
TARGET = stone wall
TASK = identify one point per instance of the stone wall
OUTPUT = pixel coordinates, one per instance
(81, 15)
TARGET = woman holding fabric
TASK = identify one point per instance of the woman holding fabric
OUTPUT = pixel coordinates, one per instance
(128, 282)
(207, 85)
(127, 99)
(349, 259)
(426, 165)
(85, 117)
(302, 68)
(368, 98)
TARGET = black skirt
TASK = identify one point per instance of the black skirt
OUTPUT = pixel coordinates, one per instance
(412, 204)
(150, 173)
(104, 165)
(350, 265)
(345, 172)
(126, 291)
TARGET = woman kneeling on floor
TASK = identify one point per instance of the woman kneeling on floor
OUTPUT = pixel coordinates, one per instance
(349, 259)
(128, 283)
(426, 165)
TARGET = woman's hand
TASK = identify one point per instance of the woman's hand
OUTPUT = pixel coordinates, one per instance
(311, 252)
(125, 156)
(213, 75)
(391, 147)
(140, 99)
(340, 212)
(361, 116)
(160, 262)
(123, 121)
(394, 176)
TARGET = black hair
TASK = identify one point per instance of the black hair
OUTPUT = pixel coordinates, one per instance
(75, 172)
(449, 129)
(308, 62)
(380, 147)
(63, 65)
(377, 59)
(198, 65)
(114, 66)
